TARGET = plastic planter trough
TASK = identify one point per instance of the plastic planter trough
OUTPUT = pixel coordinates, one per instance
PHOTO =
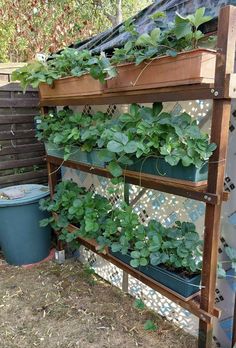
(182, 285)
(150, 165)
(158, 166)
(193, 67)
(67, 87)
(76, 155)
(22, 240)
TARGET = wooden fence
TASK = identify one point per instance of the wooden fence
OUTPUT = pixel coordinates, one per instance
(21, 155)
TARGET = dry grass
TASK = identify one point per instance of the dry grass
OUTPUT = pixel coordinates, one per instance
(66, 306)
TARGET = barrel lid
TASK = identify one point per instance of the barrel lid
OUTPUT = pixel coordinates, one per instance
(22, 194)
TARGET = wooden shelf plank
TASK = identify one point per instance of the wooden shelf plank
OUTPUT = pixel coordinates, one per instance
(178, 187)
(164, 94)
(191, 305)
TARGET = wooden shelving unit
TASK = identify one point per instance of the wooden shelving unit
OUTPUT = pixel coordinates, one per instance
(211, 192)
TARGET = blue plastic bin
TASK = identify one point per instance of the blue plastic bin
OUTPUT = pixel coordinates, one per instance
(22, 240)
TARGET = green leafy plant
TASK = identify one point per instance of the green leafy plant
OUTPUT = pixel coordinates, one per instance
(165, 39)
(149, 325)
(69, 62)
(183, 34)
(73, 204)
(140, 133)
(145, 132)
(177, 247)
(139, 304)
(67, 129)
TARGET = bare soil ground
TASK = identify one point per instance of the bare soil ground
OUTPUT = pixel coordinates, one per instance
(66, 306)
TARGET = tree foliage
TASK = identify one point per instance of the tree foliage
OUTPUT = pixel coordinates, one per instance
(28, 27)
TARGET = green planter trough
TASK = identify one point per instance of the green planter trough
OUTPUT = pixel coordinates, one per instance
(150, 165)
(22, 240)
(158, 166)
(185, 286)
(76, 155)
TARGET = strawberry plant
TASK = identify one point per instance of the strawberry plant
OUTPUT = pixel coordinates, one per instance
(177, 247)
(140, 133)
(183, 34)
(165, 39)
(69, 62)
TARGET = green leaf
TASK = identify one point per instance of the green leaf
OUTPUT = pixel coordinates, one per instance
(128, 46)
(105, 156)
(158, 15)
(182, 26)
(172, 160)
(150, 325)
(134, 263)
(157, 108)
(165, 149)
(44, 222)
(115, 169)
(125, 160)
(134, 108)
(115, 147)
(186, 161)
(126, 118)
(135, 254)
(193, 132)
(144, 253)
(139, 245)
(115, 247)
(139, 304)
(172, 53)
(111, 71)
(96, 72)
(131, 147)
(77, 72)
(143, 261)
(144, 40)
(155, 259)
(121, 138)
(199, 17)
(211, 147)
(155, 35)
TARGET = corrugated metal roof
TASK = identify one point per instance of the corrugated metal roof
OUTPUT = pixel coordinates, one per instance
(116, 37)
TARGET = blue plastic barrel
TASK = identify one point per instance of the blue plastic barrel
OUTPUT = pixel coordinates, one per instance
(22, 240)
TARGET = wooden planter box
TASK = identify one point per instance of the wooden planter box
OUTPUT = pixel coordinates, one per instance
(71, 87)
(184, 286)
(193, 67)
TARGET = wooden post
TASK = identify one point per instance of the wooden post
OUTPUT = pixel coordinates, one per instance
(219, 135)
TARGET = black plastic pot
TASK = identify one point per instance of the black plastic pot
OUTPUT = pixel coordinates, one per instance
(185, 286)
